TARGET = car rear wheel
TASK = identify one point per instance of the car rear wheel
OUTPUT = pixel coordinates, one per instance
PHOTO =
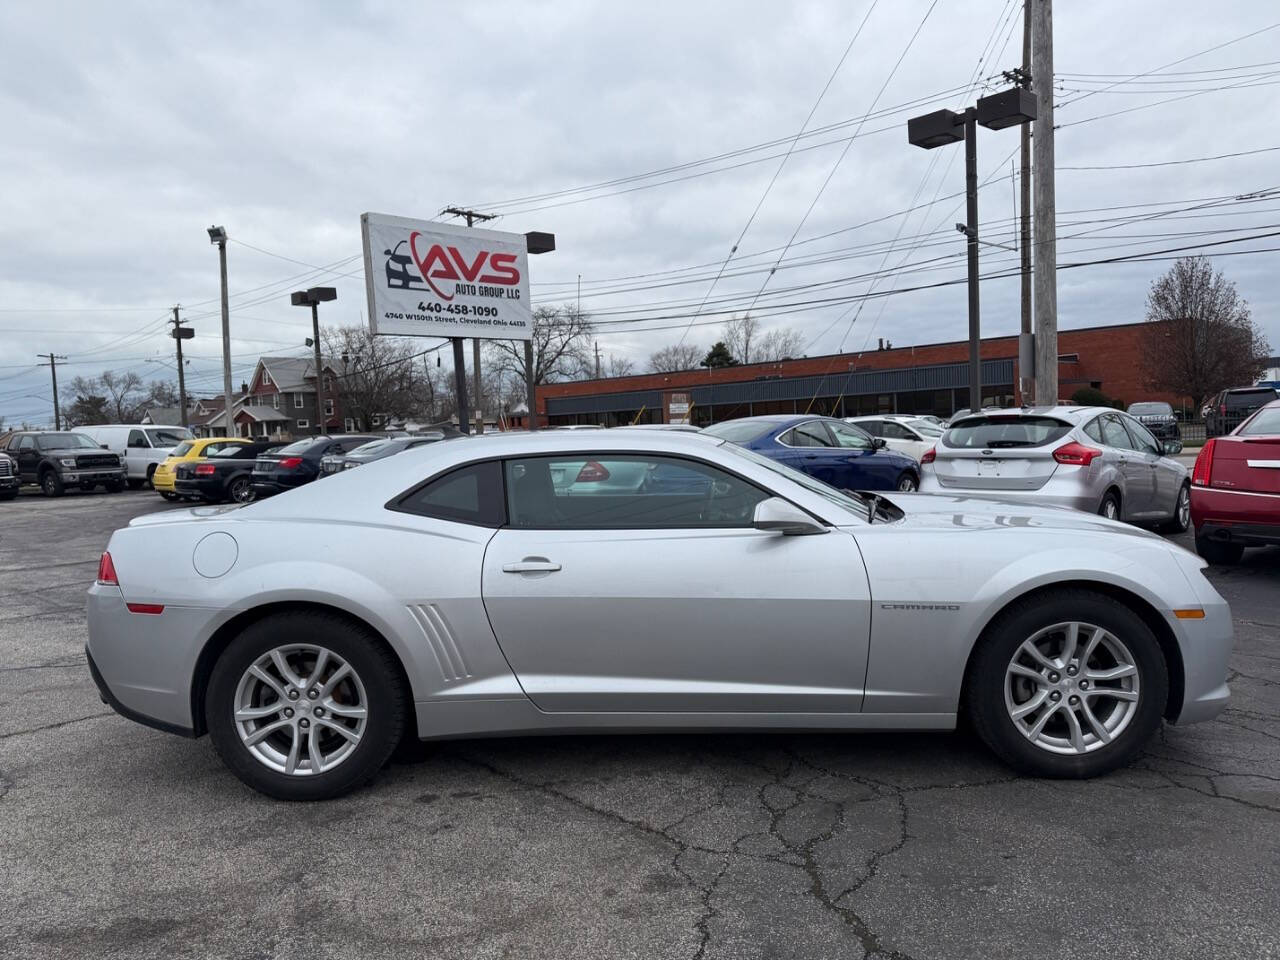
(305, 706)
(134, 484)
(240, 490)
(51, 483)
(907, 483)
(1181, 518)
(1110, 506)
(1067, 684)
(1219, 553)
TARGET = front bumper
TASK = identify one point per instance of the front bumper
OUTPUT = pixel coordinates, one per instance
(92, 475)
(9, 483)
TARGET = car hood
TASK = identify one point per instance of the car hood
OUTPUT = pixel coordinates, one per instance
(939, 511)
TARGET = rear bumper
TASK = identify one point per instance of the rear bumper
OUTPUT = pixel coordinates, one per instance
(268, 486)
(1236, 516)
(162, 481)
(1055, 493)
(208, 489)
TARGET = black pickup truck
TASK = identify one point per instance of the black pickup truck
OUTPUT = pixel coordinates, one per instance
(9, 482)
(57, 460)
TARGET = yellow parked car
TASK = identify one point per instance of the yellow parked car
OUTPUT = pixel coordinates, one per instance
(162, 479)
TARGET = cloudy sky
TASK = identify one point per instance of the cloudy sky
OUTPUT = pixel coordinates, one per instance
(129, 128)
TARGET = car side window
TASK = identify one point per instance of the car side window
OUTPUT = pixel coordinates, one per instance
(468, 494)
(1114, 433)
(27, 443)
(626, 491)
(1093, 430)
(1142, 438)
(850, 437)
(873, 427)
(895, 431)
(812, 434)
(138, 439)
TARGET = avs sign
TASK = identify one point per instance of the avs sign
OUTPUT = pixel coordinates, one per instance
(429, 279)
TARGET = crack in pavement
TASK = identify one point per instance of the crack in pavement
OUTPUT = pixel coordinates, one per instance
(58, 665)
(55, 726)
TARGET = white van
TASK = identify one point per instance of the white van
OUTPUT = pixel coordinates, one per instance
(140, 446)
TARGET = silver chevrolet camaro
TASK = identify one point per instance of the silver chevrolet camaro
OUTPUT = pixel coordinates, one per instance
(474, 588)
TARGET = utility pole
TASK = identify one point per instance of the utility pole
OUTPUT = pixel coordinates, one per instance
(1046, 253)
(597, 359)
(1026, 351)
(179, 334)
(459, 365)
(53, 359)
(971, 233)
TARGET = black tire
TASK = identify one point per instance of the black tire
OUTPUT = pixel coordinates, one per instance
(51, 483)
(984, 693)
(134, 484)
(368, 656)
(12, 495)
(1219, 553)
(240, 490)
(1181, 518)
(169, 495)
(907, 482)
(1110, 505)
(115, 486)
(151, 469)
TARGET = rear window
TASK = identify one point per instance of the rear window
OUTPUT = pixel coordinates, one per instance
(1265, 423)
(1000, 432)
(1249, 398)
(738, 431)
(182, 449)
(1150, 410)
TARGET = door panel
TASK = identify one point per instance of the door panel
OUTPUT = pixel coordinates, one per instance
(733, 620)
(1139, 479)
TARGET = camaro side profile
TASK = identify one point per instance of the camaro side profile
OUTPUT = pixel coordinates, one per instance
(456, 590)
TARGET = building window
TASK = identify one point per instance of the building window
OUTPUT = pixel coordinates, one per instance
(303, 424)
(328, 407)
(297, 400)
(275, 400)
(347, 425)
(266, 376)
(375, 420)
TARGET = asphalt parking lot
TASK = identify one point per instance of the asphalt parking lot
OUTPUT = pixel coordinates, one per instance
(119, 841)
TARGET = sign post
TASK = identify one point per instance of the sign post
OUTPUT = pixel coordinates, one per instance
(427, 279)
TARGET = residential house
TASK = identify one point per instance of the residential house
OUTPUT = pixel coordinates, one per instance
(281, 398)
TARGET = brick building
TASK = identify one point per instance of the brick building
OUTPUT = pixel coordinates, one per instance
(929, 378)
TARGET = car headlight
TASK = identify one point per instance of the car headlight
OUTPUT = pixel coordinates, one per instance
(68, 461)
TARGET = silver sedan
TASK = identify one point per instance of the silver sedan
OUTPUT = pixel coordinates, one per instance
(1088, 458)
(456, 591)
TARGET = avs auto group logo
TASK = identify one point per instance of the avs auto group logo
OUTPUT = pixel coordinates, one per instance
(419, 264)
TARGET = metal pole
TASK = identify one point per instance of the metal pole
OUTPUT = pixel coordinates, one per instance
(475, 369)
(226, 339)
(530, 390)
(315, 342)
(460, 384)
(1046, 253)
(182, 377)
(971, 204)
(1028, 375)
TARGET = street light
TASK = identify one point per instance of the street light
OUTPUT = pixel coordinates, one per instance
(312, 297)
(1007, 108)
(218, 237)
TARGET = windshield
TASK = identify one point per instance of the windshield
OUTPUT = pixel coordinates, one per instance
(926, 428)
(1265, 423)
(301, 446)
(1151, 410)
(168, 436)
(856, 507)
(999, 432)
(182, 449)
(738, 431)
(65, 441)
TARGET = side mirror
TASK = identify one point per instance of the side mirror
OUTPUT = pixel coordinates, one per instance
(878, 443)
(1171, 448)
(779, 516)
(104, 446)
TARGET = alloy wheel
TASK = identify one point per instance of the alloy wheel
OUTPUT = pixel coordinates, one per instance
(1111, 509)
(242, 491)
(1072, 688)
(300, 709)
(907, 484)
(1184, 508)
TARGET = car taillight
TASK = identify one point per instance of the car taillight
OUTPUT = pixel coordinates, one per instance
(1202, 472)
(1076, 454)
(289, 463)
(592, 472)
(107, 571)
(1222, 409)
(930, 455)
(204, 469)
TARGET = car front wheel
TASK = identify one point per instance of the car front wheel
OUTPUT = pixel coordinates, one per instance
(1067, 684)
(305, 706)
(51, 484)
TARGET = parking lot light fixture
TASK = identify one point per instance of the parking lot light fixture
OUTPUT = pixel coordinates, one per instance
(312, 297)
(218, 237)
(1006, 108)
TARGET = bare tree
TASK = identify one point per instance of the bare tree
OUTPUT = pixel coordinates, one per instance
(675, 356)
(617, 366)
(561, 348)
(780, 343)
(376, 375)
(1200, 336)
(740, 336)
(116, 398)
(122, 391)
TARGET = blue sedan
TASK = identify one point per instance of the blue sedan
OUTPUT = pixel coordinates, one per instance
(830, 450)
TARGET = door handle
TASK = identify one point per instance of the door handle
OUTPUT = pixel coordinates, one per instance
(811, 456)
(531, 565)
